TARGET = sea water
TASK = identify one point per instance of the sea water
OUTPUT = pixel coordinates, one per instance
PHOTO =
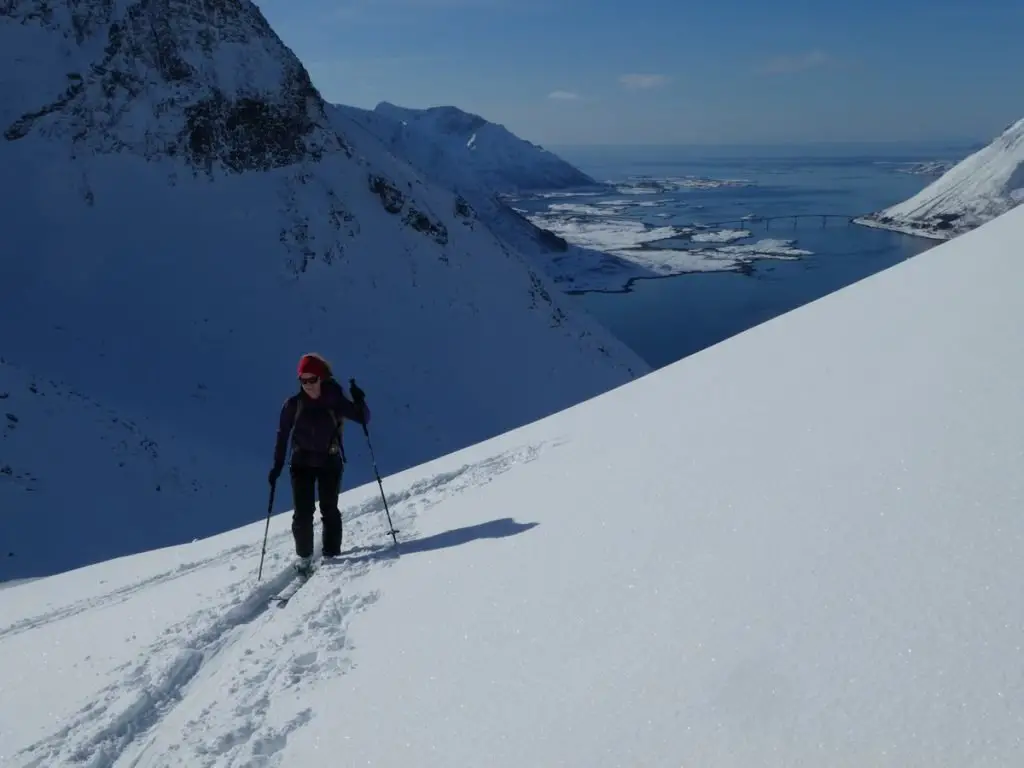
(667, 318)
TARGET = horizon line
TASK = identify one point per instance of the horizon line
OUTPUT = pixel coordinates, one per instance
(789, 143)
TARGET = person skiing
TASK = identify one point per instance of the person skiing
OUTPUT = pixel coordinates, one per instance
(313, 417)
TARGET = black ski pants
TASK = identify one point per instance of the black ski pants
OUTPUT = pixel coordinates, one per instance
(304, 485)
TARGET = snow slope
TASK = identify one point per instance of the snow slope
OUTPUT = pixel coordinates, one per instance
(181, 222)
(802, 546)
(58, 446)
(980, 187)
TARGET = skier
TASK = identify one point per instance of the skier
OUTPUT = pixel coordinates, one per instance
(313, 417)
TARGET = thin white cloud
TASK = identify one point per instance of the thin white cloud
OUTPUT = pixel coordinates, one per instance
(643, 81)
(564, 96)
(801, 62)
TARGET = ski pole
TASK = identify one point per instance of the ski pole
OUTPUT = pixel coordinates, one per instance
(270, 506)
(373, 459)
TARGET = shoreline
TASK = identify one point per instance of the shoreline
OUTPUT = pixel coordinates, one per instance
(907, 229)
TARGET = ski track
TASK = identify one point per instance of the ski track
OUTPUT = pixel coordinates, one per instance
(121, 594)
(101, 748)
(469, 474)
(431, 491)
(225, 720)
(231, 670)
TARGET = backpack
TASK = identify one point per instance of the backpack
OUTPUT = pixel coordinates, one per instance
(336, 446)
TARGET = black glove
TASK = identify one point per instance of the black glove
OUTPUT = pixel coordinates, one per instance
(274, 474)
(358, 396)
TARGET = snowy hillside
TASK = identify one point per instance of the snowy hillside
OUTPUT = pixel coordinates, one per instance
(182, 221)
(980, 187)
(64, 460)
(802, 546)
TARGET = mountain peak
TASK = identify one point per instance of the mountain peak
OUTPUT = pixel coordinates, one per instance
(446, 140)
(446, 118)
(157, 78)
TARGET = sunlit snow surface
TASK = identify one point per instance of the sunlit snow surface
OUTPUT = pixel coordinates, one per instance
(802, 546)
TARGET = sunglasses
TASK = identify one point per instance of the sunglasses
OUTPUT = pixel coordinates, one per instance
(309, 379)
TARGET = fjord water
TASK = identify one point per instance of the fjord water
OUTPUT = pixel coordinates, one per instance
(666, 319)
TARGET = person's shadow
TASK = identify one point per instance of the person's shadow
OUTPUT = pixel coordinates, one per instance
(494, 529)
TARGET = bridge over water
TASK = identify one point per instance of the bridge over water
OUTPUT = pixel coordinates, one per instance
(749, 221)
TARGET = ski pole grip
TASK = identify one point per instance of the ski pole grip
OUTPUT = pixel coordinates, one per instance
(355, 388)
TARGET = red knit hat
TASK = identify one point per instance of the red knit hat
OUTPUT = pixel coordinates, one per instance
(315, 365)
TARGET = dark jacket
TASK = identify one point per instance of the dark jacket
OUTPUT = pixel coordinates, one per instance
(316, 433)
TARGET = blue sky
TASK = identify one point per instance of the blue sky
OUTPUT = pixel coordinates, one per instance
(675, 71)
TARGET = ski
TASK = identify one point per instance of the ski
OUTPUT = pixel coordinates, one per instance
(301, 577)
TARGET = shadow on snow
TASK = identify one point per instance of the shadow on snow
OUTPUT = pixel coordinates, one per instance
(494, 529)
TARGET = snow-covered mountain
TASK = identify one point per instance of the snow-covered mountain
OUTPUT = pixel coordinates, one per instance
(443, 141)
(980, 187)
(801, 547)
(483, 172)
(480, 174)
(181, 221)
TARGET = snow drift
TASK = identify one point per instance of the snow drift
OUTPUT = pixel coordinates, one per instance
(980, 187)
(802, 546)
(181, 221)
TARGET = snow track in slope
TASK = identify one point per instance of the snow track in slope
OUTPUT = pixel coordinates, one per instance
(426, 492)
(121, 594)
(200, 694)
(226, 718)
(101, 731)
